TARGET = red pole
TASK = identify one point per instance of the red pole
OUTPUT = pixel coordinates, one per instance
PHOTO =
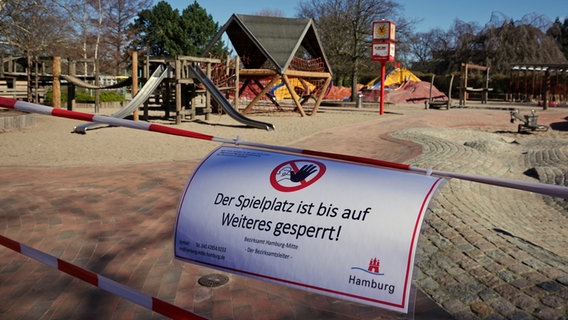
(382, 88)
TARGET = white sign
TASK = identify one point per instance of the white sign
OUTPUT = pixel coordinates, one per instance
(339, 229)
(381, 49)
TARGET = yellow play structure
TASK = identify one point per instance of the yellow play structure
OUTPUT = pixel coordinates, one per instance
(281, 92)
(397, 76)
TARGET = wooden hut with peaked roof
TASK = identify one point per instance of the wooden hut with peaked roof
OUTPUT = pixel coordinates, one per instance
(279, 49)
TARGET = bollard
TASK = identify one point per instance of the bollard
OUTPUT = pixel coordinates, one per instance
(359, 103)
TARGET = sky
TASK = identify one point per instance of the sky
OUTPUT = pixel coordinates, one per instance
(429, 13)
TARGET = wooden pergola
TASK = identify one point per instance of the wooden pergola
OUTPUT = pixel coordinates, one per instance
(547, 86)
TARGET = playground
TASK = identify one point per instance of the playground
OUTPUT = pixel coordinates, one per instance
(188, 87)
(140, 175)
(280, 67)
(471, 263)
(268, 66)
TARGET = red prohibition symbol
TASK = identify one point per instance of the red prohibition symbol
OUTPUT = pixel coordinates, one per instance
(295, 175)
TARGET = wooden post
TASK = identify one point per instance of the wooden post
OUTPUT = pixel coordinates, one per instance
(463, 86)
(427, 103)
(228, 65)
(56, 99)
(320, 96)
(486, 91)
(178, 66)
(293, 94)
(70, 86)
(237, 81)
(28, 79)
(97, 84)
(465, 95)
(36, 80)
(546, 89)
(135, 115)
(194, 101)
(208, 94)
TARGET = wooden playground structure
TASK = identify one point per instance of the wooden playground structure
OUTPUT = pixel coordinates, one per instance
(545, 83)
(299, 94)
(179, 92)
(29, 80)
(466, 90)
(275, 51)
(271, 52)
(16, 82)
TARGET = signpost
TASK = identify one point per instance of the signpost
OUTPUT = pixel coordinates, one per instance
(383, 50)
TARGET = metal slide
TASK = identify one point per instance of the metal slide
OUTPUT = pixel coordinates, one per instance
(144, 93)
(226, 105)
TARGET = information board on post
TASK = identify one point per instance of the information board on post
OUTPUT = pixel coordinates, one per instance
(341, 229)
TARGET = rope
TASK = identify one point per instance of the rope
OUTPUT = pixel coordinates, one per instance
(546, 189)
(162, 307)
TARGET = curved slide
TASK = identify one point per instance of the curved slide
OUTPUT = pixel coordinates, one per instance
(144, 93)
(226, 105)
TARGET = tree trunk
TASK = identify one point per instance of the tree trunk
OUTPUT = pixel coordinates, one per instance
(354, 80)
(29, 77)
(36, 80)
(355, 53)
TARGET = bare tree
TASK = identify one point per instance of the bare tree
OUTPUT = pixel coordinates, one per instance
(421, 45)
(345, 29)
(103, 28)
(117, 35)
(270, 13)
(519, 43)
(499, 44)
(80, 14)
(559, 32)
(32, 28)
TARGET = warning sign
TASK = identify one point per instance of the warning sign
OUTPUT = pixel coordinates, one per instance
(296, 174)
(275, 216)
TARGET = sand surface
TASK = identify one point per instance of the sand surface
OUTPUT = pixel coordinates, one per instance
(51, 143)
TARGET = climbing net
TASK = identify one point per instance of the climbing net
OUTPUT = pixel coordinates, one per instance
(314, 65)
(223, 74)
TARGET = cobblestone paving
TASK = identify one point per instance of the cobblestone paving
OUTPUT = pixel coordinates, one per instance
(493, 253)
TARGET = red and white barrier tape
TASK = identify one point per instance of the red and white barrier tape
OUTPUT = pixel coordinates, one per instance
(133, 295)
(546, 189)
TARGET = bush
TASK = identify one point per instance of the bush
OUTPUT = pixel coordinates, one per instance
(49, 96)
(105, 96)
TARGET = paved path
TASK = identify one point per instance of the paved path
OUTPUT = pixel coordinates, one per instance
(485, 252)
